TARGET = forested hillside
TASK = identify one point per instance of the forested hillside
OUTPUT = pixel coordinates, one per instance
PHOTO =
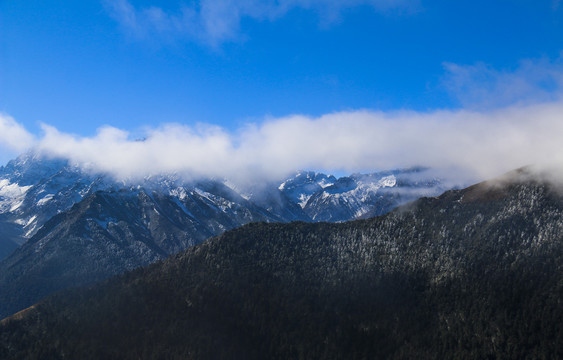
(474, 273)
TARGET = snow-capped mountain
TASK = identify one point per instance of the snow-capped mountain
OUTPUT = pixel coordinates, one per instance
(33, 189)
(304, 184)
(325, 198)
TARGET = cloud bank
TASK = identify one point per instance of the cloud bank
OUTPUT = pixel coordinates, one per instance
(468, 144)
(13, 136)
(216, 21)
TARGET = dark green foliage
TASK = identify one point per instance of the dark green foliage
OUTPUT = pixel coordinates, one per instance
(474, 274)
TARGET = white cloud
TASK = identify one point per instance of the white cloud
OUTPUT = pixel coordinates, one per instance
(13, 136)
(216, 21)
(476, 145)
(482, 86)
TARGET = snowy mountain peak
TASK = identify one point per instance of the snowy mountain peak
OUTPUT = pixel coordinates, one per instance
(388, 181)
(304, 184)
(362, 195)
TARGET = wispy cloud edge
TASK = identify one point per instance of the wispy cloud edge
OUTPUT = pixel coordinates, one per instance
(213, 22)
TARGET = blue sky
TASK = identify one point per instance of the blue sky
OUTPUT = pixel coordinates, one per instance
(80, 66)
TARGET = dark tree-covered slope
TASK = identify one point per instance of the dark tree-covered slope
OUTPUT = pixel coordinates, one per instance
(109, 233)
(62, 226)
(474, 273)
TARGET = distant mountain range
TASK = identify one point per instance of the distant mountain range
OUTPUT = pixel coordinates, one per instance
(33, 189)
(472, 274)
(61, 226)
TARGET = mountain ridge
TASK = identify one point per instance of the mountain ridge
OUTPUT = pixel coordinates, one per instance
(34, 188)
(79, 227)
(442, 277)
